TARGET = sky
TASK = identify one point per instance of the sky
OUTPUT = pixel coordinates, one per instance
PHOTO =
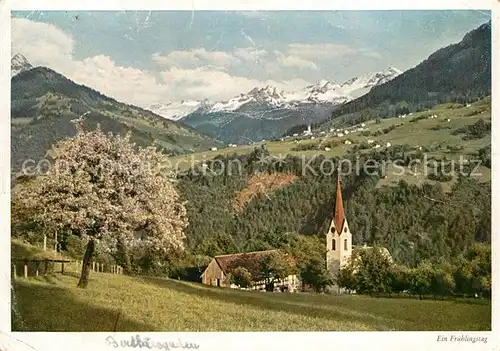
(146, 57)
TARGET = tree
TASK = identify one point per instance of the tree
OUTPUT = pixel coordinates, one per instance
(372, 271)
(472, 273)
(442, 282)
(399, 279)
(275, 266)
(315, 274)
(241, 277)
(346, 278)
(420, 279)
(106, 191)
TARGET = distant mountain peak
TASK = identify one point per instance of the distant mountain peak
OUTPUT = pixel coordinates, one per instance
(272, 97)
(19, 63)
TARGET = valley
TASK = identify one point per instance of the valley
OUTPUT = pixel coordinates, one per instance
(235, 204)
(434, 135)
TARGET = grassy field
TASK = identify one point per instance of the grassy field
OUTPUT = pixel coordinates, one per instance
(53, 303)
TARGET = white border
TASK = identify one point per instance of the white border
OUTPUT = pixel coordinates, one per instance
(236, 341)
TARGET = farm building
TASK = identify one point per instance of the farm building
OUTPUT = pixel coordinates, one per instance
(218, 270)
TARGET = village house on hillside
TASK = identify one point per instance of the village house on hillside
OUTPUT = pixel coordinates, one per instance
(218, 273)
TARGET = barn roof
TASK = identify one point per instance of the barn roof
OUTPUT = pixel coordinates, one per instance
(225, 261)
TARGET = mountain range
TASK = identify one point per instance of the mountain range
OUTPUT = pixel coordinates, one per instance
(43, 103)
(267, 112)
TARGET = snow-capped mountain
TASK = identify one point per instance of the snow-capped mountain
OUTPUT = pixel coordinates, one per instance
(268, 112)
(357, 86)
(322, 92)
(176, 110)
(270, 97)
(19, 64)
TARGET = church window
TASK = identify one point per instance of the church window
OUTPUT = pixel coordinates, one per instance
(333, 244)
(345, 244)
(345, 230)
(332, 229)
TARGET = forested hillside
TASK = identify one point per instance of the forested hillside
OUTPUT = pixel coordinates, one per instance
(414, 222)
(457, 73)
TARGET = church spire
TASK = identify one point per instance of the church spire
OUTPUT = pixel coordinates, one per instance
(339, 208)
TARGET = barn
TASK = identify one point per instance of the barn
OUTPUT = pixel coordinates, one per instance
(217, 272)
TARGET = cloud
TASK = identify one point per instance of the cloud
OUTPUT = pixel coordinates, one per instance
(193, 74)
(201, 57)
(42, 43)
(250, 53)
(218, 85)
(196, 57)
(46, 45)
(293, 61)
(221, 60)
(325, 51)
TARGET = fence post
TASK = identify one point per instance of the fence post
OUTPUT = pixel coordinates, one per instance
(46, 270)
(37, 265)
(14, 273)
(102, 268)
(26, 268)
(93, 266)
(62, 267)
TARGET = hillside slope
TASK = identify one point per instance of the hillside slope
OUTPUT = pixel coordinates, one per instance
(44, 103)
(460, 73)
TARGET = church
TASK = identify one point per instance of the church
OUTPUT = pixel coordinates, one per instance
(338, 239)
(339, 248)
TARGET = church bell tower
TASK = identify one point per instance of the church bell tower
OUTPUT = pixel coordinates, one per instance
(338, 239)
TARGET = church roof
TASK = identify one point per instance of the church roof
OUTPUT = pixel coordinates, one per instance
(339, 207)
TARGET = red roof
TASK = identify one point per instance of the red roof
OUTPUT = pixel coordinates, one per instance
(225, 261)
(339, 208)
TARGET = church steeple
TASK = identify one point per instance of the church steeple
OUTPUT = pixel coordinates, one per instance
(339, 208)
(338, 238)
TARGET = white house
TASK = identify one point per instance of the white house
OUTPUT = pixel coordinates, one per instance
(388, 144)
(348, 142)
(213, 149)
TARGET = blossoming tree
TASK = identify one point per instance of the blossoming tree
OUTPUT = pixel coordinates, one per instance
(103, 189)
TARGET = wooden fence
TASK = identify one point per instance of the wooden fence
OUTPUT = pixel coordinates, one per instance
(25, 267)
